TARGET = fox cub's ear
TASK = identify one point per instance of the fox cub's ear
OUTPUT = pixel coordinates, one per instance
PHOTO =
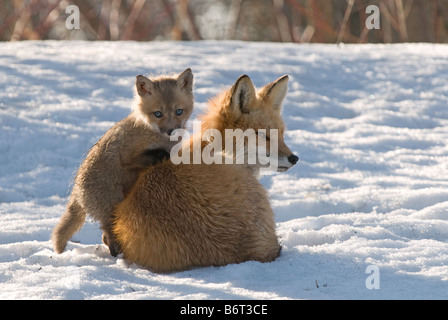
(143, 85)
(242, 95)
(276, 92)
(185, 81)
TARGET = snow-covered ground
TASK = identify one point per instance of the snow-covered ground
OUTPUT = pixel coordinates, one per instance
(363, 215)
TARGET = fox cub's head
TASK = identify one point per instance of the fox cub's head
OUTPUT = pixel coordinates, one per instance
(165, 103)
(243, 107)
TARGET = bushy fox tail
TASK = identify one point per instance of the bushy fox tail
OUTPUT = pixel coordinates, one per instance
(71, 221)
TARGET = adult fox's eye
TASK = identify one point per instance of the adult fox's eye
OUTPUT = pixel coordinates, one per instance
(263, 135)
(158, 114)
(179, 112)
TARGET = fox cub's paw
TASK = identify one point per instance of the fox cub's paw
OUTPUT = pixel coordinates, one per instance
(155, 156)
(113, 245)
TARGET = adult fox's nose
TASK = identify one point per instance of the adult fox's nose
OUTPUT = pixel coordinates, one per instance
(293, 159)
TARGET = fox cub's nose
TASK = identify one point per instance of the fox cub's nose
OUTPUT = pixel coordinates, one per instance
(293, 159)
(170, 131)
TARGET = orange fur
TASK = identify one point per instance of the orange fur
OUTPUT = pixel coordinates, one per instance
(181, 216)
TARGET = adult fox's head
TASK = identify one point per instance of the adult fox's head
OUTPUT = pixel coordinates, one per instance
(165, 103)
(243, 109)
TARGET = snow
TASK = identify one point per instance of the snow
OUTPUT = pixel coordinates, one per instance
(369, 123)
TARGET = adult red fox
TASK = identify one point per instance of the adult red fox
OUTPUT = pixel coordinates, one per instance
(110, 169)
(189, 215)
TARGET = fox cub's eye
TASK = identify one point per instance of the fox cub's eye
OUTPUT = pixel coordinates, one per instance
(179, 112)
(158, 114)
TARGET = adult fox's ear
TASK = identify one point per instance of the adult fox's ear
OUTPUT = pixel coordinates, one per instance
(242, 95)
(185, 81)
(276, 92)
(143, 85)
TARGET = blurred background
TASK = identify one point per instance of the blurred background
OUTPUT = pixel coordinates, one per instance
(301, 21)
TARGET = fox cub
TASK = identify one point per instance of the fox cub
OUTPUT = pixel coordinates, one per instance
(188, 215)
(113, 163)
